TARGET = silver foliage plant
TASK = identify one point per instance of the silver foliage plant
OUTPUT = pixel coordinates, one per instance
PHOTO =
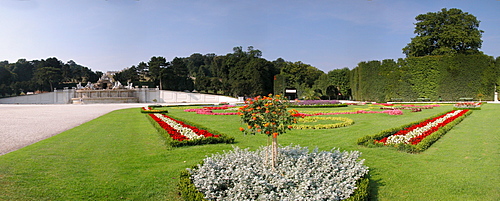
(241, 174)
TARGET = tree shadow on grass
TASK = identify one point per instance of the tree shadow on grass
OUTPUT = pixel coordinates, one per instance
(374, 184)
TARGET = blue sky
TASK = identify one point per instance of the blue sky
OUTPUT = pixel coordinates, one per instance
(109, 35)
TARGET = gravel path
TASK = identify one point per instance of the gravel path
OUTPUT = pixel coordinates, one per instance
(22, 125)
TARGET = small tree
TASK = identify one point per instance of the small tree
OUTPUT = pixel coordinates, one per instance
(269, 116)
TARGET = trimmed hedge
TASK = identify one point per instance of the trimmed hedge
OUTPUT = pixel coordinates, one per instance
(435, 78)
(369, 141)
(208, 140)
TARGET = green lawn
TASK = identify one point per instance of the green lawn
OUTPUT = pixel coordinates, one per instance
(120, 156)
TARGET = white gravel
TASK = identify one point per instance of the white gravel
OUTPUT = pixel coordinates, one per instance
(22, 125)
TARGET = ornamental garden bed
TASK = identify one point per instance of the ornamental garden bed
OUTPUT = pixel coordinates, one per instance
(317, 104)
(468, 105)
(150, 109)
(389, 112)
(418, 136)
(179, 133)
(208, 110)
(311, 122)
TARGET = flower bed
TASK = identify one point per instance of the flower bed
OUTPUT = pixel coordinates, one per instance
(418, 136)
(317, 103)
(344, 122)
(152, 110)
(389, 112)
(180, 133)
(468, 105)
(209, 110)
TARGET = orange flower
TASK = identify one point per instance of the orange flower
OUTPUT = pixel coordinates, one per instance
(249, 127)
(242, 129)
(259, 130)
(266, 124)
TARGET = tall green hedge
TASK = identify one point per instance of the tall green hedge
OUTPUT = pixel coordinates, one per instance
(433, 78)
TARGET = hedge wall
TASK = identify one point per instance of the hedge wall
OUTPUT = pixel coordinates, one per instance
(432, 78)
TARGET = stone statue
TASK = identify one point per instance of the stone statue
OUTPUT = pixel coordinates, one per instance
(495, 96)
(79, 85)
(117, 85)
(129, 85)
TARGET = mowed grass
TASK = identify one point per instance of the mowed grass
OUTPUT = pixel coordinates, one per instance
(120, 156)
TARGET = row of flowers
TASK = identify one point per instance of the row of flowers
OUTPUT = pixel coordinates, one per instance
(315, 102)
(178, 130)
(185, 134)
(344, 122)
(468, 105)
(209, 110)
(152, 110)
(418, 136)
(414, 134)
(389, 112)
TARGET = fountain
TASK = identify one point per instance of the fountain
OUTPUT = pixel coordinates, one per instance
(106, 90)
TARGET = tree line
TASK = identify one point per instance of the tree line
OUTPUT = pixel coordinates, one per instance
(246, 73)
(42, 75)
(240, 73)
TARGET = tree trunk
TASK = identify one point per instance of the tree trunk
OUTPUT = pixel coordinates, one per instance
(274, 150)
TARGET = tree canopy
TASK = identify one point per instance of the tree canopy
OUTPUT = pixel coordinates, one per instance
(446, 32)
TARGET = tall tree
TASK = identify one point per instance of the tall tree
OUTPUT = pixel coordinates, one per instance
(156, 64)
(47, 77)
(178, 76)
(445, 33)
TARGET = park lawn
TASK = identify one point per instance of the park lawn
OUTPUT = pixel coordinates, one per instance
(120, 156)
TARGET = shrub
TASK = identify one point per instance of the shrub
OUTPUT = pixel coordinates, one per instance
(300, 175)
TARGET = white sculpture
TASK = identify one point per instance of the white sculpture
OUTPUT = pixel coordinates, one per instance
(495, 97)
(129, 85)
(117, 85)
(89, 85)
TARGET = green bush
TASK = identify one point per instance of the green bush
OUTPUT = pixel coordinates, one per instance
(187, 190)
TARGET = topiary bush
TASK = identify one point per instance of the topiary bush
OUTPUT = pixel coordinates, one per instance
(241, 174)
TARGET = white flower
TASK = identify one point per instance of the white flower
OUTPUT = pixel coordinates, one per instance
(189, 133)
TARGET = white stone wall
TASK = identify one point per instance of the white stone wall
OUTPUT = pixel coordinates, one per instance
(144, 95)
(56, 97)
(184, 97)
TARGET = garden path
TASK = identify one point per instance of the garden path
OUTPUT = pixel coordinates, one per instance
(22, 125)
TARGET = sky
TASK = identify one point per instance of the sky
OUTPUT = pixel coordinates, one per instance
(111, 35)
